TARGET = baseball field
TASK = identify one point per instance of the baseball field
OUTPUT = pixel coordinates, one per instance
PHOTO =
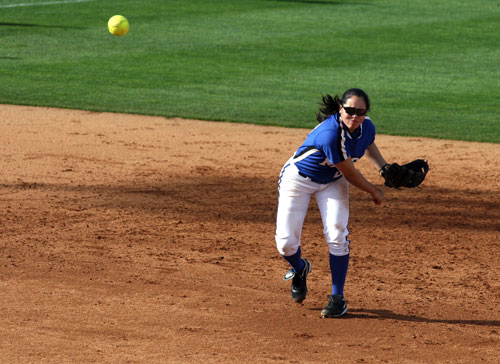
(138, 181)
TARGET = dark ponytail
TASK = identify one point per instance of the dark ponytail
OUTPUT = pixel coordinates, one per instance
(331, 105)
(328, 107)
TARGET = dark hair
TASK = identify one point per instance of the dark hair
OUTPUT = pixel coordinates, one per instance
(331, 105)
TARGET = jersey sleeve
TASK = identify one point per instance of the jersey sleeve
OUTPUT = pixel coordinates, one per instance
(370, 130)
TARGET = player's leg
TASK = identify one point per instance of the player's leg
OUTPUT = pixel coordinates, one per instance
(293, 202)
(333, 202)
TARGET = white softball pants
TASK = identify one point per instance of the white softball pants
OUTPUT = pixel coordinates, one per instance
(295, 193)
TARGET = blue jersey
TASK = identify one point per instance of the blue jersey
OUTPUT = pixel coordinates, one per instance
(330, 143)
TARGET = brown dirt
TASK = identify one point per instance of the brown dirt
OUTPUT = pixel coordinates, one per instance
(132, 239)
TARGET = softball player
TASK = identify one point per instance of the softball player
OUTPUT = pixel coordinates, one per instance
(323, 167)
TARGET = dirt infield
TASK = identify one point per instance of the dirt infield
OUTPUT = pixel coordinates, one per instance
(132, 239)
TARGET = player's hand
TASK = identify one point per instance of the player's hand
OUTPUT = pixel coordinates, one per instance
(378, 196)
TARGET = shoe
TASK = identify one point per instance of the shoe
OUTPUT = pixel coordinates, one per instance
(337, 306)
(299, 286)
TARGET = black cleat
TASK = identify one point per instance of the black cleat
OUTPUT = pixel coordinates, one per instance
(299, 286)
(337, 307)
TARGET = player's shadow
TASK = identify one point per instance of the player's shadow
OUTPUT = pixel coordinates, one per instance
(362, 313)
(28, 25)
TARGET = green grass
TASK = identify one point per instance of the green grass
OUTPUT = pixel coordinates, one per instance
(430, 66)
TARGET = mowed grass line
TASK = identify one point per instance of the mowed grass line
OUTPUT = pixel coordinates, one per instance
(430, 67)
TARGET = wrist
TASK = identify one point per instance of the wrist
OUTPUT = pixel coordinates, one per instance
(383, 168)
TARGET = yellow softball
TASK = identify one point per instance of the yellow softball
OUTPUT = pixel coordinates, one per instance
(118, 25)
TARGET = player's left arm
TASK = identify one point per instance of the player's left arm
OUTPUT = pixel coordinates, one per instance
(374, 155)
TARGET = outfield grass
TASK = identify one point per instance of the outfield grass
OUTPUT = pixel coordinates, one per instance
(430, 66)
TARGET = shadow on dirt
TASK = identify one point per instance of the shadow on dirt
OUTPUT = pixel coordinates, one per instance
(255, 199)
(361, 313)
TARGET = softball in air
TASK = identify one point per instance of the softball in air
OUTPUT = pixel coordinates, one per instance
(118, 25)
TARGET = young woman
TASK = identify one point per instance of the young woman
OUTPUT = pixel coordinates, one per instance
(323, 166)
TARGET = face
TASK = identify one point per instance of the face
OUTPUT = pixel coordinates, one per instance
(353, 121)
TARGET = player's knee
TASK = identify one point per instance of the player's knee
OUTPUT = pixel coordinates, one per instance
(286, 246)
(339, 248)
(336, 237)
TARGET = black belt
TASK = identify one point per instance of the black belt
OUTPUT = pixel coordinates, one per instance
(309, 178)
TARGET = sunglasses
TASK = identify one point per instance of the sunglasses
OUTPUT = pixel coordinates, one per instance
(352, 110)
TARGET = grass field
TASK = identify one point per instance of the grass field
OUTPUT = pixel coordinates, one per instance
(431, 67)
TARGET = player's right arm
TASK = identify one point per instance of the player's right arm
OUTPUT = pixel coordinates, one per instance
(374, 155)
(355, 178)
